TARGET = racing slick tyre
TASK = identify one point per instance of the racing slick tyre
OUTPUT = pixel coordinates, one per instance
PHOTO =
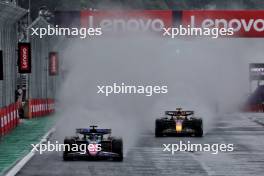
(117, 147)
(199, 129)
(158, 129)
(68, 141)
(66, 157)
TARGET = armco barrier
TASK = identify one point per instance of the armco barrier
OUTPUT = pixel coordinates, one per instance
(9, 118)
(40, 107)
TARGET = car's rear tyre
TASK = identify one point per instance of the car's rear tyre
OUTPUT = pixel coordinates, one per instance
(66, 157)
(117, 147)
(158, 129)
(199, 129)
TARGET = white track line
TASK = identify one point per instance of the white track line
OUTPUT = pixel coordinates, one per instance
(206, 168)
(19, 165)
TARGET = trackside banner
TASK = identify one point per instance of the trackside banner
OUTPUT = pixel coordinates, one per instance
(24, 57)
(246, 23)
(53, 63)
(138, 20)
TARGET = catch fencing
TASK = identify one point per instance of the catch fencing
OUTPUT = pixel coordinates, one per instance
(42, 84)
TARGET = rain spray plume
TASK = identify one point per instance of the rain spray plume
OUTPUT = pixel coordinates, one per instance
(201, 75)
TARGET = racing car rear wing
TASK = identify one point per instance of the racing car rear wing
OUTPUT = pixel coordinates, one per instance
(90, 131)
(179, 113)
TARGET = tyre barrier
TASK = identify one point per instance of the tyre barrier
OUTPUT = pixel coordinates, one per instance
(40, 107)
(255, 108)
(9, 117)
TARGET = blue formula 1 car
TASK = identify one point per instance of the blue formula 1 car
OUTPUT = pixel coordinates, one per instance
(93, 144)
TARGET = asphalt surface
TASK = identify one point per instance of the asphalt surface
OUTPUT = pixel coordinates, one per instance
(148, 158)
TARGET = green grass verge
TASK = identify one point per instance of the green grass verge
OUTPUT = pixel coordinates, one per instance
(16, 144)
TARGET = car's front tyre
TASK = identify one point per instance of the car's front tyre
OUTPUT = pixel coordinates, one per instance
(66, 157)
(68, 142)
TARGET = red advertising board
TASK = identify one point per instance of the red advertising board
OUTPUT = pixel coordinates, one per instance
(246, 23)
(53, 63)
(24, 57)
(136, 20)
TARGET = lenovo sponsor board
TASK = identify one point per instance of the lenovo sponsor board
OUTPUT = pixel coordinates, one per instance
(246, 23)
(144, 20)
(53, 63)
(24, 57)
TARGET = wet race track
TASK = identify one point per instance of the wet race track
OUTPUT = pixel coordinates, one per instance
(148, 158)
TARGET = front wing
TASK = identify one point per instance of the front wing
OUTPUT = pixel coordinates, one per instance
(102, 155)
